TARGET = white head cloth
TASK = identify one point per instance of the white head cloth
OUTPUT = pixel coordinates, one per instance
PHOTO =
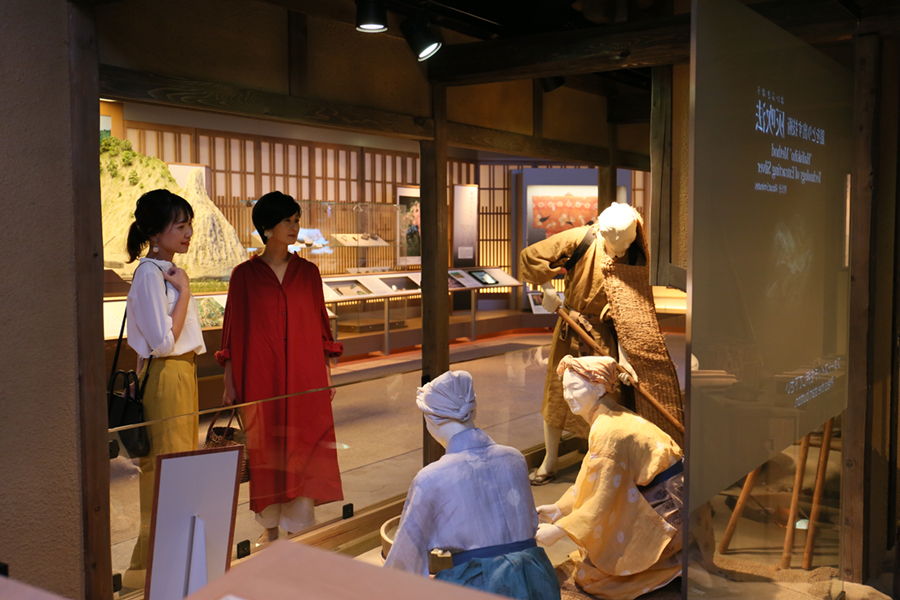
(450, 397)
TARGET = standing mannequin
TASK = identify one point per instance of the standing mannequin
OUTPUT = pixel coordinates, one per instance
(475, 502)
(586, 301)
(624, 511)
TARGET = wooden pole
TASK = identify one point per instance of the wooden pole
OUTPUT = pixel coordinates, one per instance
(574, 326)
(788, 551)
(817, 494)
(738, 510)
(435, 258)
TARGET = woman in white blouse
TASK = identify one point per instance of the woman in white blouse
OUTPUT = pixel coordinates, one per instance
(164, 330)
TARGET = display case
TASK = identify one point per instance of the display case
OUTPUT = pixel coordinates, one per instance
(382, 302)
(341, 237)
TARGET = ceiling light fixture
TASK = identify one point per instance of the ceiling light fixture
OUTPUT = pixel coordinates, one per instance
(552, 83)
(371, 16)
(421, 39)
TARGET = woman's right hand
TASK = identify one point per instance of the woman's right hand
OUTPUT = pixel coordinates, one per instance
(229, 398)
(548, 513)
(178, 278)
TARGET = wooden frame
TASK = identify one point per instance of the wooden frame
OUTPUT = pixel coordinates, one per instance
(234, 503)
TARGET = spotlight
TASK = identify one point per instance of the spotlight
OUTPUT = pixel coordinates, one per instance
(421, 39)
(371, 16)
(551, 83)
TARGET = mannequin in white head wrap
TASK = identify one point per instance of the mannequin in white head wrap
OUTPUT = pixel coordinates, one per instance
(475, 502)
(624, 511)
(449, 405)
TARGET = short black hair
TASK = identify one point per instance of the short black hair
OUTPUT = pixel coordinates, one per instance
(155, 210)
(271, 209)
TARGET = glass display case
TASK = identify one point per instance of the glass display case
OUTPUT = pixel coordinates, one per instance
(340, 237)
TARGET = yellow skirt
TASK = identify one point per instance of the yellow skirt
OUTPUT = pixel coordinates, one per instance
(171, 394)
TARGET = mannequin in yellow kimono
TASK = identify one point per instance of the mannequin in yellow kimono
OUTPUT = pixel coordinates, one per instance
(624, 511)
(586, 301)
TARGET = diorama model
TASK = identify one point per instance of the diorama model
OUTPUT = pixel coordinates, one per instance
(276, 341)
(164, 330)
(608, 293)
(474, 502)
(580, 251)
(624, 511)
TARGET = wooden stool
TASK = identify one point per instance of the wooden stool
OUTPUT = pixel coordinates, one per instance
(788, 550)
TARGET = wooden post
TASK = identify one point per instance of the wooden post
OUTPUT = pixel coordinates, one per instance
(85, 139)
(799, 472)
(435, 257)
(817, 494)
(746, 491)
(659, 210)
(858, 416)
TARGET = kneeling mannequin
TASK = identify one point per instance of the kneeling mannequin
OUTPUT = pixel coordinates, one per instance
(624, 511)
(475, 502)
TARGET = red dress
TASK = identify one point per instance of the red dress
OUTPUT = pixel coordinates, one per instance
(277, 336)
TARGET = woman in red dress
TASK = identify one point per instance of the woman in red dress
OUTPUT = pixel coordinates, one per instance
(276, 341)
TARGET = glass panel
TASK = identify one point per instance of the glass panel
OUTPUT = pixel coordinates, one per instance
(768, 303)
(264, 157)
(185, 148)
(292, 159)
(278, 159)
(150, 143)
(249, 149)
(235, 154)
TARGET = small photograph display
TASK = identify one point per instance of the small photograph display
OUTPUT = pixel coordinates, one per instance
(484, 277)
(410, 226)
(453, 283)
(349, 288)
(464, 279)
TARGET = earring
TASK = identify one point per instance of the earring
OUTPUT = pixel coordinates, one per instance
(269, 234)
(155, 248)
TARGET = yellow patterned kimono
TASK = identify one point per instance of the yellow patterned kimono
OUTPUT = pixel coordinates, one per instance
(629, 539)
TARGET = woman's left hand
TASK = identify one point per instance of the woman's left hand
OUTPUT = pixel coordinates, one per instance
(331, 394)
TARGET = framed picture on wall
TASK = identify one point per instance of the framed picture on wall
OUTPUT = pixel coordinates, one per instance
(410, 216)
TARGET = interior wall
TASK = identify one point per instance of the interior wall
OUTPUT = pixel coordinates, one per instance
(506, 105)
(633, 137)
(229, 41)
(40, 487)
(574, 116)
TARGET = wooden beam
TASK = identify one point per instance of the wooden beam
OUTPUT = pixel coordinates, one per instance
(621, 46)
(482, 138)
(88, 251)
(858, 416)
(298, 50)
(630, 108)
(661, 175)
(124, 84)
(435, 256)
(647, 43)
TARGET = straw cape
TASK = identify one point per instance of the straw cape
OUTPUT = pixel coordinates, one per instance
(633, 313)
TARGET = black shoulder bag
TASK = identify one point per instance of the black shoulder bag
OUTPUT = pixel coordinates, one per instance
(123, 408)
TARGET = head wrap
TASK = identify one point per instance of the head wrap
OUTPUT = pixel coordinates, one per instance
(450, 397)
(598, 370)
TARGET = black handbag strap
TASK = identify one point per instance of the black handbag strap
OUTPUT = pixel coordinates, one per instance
(112, 375)
(586, 242)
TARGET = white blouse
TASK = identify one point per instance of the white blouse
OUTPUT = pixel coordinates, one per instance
(150, 303)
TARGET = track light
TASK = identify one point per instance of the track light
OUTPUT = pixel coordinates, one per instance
(421, 39)
(371, 16)
(551, 83)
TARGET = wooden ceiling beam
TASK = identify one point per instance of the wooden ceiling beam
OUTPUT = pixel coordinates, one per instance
(622, 46)
(124, 84)
(647, 43)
